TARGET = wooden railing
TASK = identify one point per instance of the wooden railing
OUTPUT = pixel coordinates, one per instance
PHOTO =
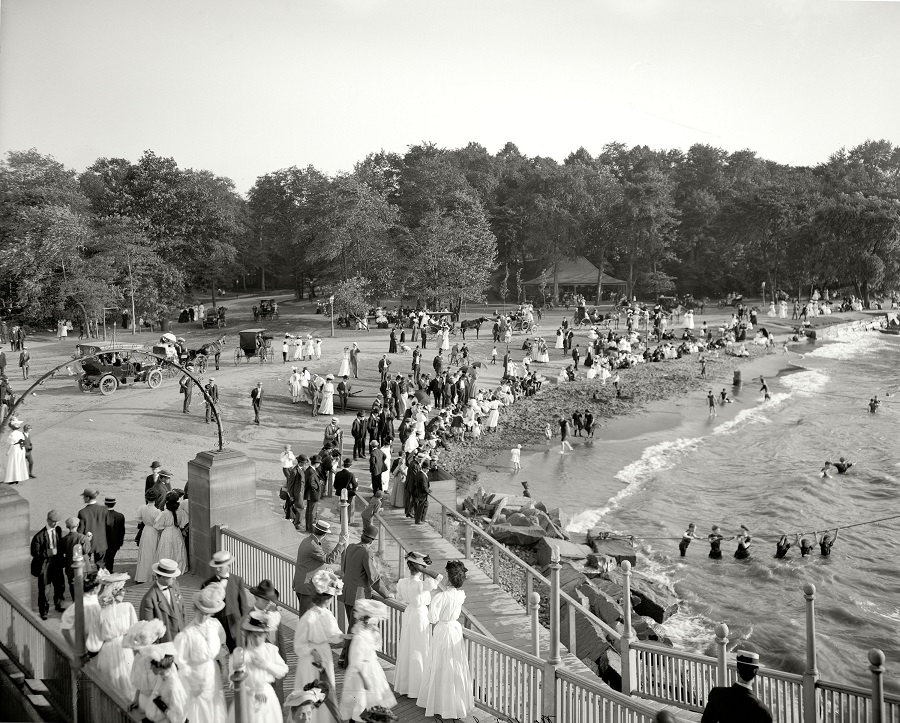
(781, 692)
(673, 677)
(586, 701)
(76, 693)
(509, 684)
(531, 576)
(848, 704)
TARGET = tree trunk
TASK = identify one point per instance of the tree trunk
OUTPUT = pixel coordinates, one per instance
(556, 281)
(213, 294)
(630, 280)
(600, 277)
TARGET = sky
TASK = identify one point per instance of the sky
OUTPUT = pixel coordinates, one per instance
(244, 87)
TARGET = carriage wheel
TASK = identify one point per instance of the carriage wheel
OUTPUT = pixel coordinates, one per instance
(169, 371)
(237, 356)
(83, 386)
(108, 384)
(200, 362)
(154, 378)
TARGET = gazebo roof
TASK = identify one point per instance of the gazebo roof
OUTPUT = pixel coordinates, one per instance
(577, 272)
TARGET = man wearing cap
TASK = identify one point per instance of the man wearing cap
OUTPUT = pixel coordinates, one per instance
(153, 476)
(92, 519)
(163, 601)
(361, 576)
(311, 557)
(115, 533)
(738, 704)
(211, 397)
(343, 389)
(256, 395)
(162, 488)
(237, 601)
(47, 564)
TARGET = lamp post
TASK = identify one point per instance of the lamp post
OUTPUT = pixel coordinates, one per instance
(331, 304)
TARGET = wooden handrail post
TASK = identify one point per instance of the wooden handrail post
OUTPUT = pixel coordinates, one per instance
(237, 678)
(443, 521)
(381, 539)
(811, 675)
(496, 565)
(344, 510)
(626, 654)
(722, 655)
(529, 586)
(468, 547)
(572, 640)
(555, 567)
(534, 608)
(876, 665)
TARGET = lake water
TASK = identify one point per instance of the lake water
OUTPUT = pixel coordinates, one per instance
(760, 468)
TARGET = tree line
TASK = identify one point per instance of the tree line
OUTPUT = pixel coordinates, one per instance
(445, 225)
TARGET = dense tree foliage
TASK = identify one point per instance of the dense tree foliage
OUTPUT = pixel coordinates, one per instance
(446, 225)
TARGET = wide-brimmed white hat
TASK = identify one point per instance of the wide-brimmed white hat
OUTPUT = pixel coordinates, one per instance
(210, 599)
(365, 607)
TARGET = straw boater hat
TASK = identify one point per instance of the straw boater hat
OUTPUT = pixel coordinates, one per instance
(210, 599)
(321, 527)
(221, 558)
(166, 568)
(745, 657)
(364, 607)
(325, 582)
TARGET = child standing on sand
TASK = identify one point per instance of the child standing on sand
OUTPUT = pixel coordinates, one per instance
(711, 401)
(494, 355)
(516, 457)
(548, 433)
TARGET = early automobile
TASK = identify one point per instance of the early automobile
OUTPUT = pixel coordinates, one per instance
(113, 365)
(268, 309)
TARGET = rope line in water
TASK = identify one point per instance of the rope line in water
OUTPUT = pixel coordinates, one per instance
(760, 534)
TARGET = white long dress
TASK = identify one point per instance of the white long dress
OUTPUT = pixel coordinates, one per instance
(264, 666)
(294, 384)
(689, 320)
(113, 661)
(171, 540)
(345, 365)
(362, 663)
(298, 349)
(448, 689)
(414, 645)
(445, 344)
(16, 464)
(327, 405)
(494, 416)
(782, 310)
(198, 646)
(317, 630)
(772, 313)
(559, 339)
(149, 515)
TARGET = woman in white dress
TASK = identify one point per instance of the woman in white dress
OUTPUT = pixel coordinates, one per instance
(447, 691)
(310, 347)
(397, 497)
(294, 383)
(305, 391)
(494, 414)
(344, 371)
(772, 313)
(171, 539)
(543, 354)
(318, 348)
(782, 311)
(327, 405)
(114, 661)
(263, 666)
(296, 348)
(414, 645)
(147, 515)
(198, 646)
(559, 338)
(16, 464)
(141, 640)
(365, 683)
(689, 319)
(445, 343)
(316, 632)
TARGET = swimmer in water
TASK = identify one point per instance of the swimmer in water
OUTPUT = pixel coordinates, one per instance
(716, 539)
(743, 547)
(765, 389)
(525, 491)
(842, 465)
(782, 547)
(873, 404)
(806, 547)
(724, 398)
(827, 542)
(690, 534)
(711, 401)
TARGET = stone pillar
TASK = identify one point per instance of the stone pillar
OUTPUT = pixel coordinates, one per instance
(222, 491)
(15, 541)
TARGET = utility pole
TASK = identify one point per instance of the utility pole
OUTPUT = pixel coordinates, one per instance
(131, 282)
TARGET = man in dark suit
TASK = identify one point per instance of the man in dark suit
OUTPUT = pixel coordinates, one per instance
(212, 395)
(376, 465)
(311, 557)
(738, 704)
(237, 601)
(361, 576)
(153, 476)
(161, 488)
(295, 489)
(358, 430)
(438, 363)
(92, 518)
(384, 367)
(115, 532)
(186, 387)
(396, 391)
(419, 487)
(346, 480)
(256, 396)
(163, 601)
(344, 388)
(47, 564)
(436, 387)
(312, 491)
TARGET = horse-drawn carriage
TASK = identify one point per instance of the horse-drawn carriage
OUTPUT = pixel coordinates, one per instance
(254, 344)
(115, 365)
(215, 318)
(268, 309)
(731, 300)
(469, 324)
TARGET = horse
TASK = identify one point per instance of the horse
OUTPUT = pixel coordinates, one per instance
(472, 324)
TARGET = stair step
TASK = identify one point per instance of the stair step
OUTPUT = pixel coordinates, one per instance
(36, 686)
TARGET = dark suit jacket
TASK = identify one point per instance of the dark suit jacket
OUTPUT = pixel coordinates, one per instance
(161, 488)
(92, 518)
(41, 557)
(345, 479)
(149, 482)
(154, 605)
(311, 556)
(115, 530)
(376, 462)
(361, 573)
(312, 484)
(237, 604)
(68, 545)
(736, 704)
(256, 395)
